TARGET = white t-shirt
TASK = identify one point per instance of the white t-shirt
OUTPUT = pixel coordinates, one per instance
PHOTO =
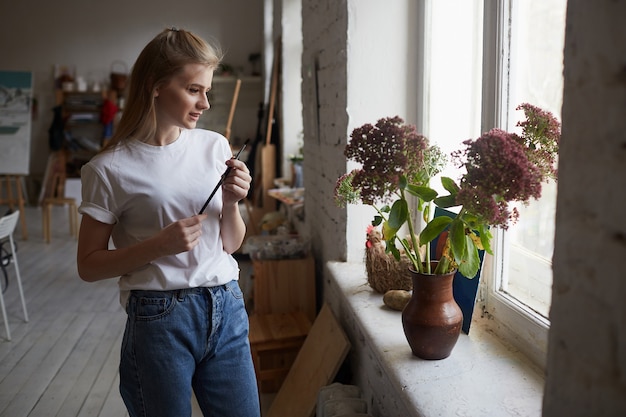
(143, 188)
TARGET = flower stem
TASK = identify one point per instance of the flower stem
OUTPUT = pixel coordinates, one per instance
(427, 209)
(442, 265)
(417, 260)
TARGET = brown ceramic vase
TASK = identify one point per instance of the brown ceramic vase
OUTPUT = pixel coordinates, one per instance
(432, 319)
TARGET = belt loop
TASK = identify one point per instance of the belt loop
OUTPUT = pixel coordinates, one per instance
(180, 295)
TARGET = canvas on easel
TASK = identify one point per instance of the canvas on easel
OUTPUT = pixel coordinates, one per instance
(15, 121)
(16, 90)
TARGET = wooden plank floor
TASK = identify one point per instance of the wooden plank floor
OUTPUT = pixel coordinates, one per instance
(64, 361)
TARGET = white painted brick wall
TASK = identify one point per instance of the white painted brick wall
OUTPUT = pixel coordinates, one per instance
(353, 46)
(324, 62)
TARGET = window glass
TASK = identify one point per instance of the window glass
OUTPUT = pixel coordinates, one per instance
(536, 76)
(453, 61)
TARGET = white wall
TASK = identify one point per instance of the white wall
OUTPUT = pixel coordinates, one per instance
(91, 35)
(291, 87)
(360, 57)
(382, 55)
(325, 121)
(358, 65)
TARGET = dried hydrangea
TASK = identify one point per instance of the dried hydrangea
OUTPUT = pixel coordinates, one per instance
(385, 151)
(497, 171)
(502, 167)
(541, 133)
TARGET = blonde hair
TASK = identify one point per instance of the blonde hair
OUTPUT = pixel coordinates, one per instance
(157, 63)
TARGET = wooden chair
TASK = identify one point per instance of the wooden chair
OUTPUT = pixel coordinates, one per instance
(7, 226)
(53, 194)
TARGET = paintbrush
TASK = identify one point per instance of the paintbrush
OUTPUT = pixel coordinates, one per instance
(223, 178)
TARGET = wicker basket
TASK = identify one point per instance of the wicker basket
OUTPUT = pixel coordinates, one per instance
(384, 272)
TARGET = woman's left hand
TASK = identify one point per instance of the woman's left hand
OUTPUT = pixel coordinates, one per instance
(237, 184)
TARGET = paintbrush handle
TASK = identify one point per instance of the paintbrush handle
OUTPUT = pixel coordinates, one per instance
(219, 184)
(223, 178)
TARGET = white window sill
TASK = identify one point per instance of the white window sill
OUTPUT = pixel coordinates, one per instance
(482, 376)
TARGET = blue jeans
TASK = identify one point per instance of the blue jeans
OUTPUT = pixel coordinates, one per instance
(192, 338)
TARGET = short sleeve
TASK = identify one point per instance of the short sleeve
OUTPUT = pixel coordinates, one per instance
(225, 147)
(97, 197)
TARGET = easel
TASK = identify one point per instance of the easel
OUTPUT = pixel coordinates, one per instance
(268, 152)
(11, 200)
(231, 114)
(265, 158)
(260, 202)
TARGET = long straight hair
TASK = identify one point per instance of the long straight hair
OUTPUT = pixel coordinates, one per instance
(158, 62)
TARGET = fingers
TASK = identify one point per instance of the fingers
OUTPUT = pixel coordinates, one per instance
(193, 220)
(191, 230)
(237, 184)
(183, 235)
(236, 164)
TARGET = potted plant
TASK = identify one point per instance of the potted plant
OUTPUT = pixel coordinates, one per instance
(499, 168)
(296, 168)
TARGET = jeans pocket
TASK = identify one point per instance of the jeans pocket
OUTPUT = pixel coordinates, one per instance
(234, 289)
(153, 306)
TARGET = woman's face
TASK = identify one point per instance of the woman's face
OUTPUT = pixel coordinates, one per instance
(181, 101)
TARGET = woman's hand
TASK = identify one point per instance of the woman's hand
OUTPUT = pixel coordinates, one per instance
(180, 236)
(234, 189)
(96, 261)
(237, 184)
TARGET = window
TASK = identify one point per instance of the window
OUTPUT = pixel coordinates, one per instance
(453, 74)
(479, 66)
(536, 36)
(518, 289)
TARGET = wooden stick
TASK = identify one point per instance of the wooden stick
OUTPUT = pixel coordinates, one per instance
(273, 91)
(233, 104)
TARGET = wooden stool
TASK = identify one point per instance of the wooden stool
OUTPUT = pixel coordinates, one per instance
(12, 199)
(275, 340)
(46, 208)
(53, 194)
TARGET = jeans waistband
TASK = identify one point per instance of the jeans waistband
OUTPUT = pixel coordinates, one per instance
(180, 293)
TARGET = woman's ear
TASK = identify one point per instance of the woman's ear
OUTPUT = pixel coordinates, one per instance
(153, 87)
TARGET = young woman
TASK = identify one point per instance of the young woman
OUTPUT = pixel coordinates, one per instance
(187, 327)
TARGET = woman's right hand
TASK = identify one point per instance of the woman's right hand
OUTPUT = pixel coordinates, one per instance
(96, 261)
(180, 236)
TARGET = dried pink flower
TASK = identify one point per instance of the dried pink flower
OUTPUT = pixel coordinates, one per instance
(497, 171)
(385, 151)
(541, 133)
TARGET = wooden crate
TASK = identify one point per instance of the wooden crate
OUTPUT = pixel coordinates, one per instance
(275, 340)
(284, 285)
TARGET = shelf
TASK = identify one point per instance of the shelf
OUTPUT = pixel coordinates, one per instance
(84, 132)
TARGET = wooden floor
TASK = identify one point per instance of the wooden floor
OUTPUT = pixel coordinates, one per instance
(64, 361)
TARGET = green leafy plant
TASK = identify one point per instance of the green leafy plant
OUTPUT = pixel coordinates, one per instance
(500, 167)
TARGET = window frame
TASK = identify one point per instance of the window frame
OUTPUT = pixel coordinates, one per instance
(508, 318)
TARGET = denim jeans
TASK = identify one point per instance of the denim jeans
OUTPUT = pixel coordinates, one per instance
(192, 338)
